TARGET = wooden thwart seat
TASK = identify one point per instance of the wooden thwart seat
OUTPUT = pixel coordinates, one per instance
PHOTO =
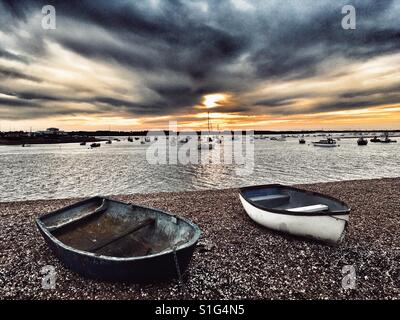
(79, 219)
(272, 200)
(270, 197)
(107, 242)
(312, 208)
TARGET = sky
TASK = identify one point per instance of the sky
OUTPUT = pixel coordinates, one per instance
(131, 65)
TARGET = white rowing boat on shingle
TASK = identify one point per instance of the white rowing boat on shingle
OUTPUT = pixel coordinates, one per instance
(297, 212)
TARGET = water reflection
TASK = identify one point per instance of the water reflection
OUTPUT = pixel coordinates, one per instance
(60, 171)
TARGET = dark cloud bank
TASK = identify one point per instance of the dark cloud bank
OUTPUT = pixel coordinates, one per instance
(223, 49)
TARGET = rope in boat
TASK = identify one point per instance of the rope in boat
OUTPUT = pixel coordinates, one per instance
(178, 269)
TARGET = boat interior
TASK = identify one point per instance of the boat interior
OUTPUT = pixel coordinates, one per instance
(292, 200)
(111, 228)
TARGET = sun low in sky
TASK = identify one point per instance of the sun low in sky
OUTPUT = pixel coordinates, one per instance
(131, 65)
(214, 100)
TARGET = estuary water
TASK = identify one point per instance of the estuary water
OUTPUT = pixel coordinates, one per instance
(71, 170)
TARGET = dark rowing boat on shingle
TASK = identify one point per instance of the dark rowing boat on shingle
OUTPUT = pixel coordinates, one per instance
(111, 240)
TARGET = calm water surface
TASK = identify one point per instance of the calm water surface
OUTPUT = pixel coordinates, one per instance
(71, 170)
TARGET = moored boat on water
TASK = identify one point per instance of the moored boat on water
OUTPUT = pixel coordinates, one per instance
(296, 212)
(95, 145)
(362, 142)
(327, 143)
(111, 240)
(302, 141)
(184, 140)
(387, 139)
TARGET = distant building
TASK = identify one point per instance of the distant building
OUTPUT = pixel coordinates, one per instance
(51, 132)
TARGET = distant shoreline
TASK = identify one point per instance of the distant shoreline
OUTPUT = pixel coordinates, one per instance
(15, 141)
(104, 133)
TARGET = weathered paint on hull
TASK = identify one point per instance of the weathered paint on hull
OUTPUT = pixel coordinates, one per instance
(169, 235)
(148, 269)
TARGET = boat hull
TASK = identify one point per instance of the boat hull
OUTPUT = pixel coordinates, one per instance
(325, 228)
(324, 145)
(158, 266)
(388, 141)
(145, 270)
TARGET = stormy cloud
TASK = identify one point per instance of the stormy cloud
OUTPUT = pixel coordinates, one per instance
(154, 58)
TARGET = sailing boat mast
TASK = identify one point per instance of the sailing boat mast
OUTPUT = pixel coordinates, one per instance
(207, 145)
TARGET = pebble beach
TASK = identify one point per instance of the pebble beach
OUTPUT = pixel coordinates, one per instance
(235, 258)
